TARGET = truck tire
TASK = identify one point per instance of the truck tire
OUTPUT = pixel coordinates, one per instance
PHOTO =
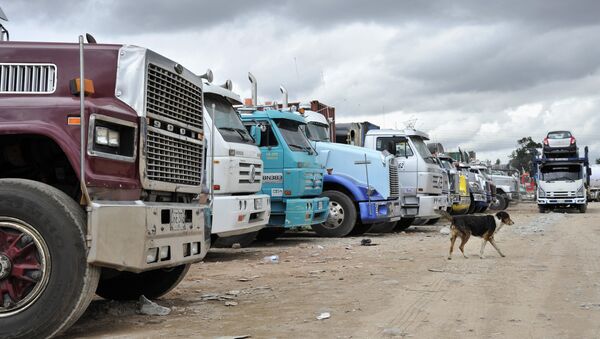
(115, 285)
(383, 227)
(244, 240)
(270, 233)
(51, 227)
(542, 208)
(359, 229)
(342, 216)
(582, 208)
(403, 224)
(499, 203)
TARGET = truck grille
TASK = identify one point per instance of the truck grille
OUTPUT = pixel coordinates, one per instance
(394, 184)
(170, 95)
(27, 78)
(246, 175)
(170, 157)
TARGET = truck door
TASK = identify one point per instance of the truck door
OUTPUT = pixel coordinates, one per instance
(272, 156)
(400, 147)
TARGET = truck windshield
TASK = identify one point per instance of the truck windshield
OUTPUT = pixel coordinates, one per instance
(317, 132)
(422, 149)
(293, 135)
(227, 120)
(561, 173)
(397, 146)
(446, 164)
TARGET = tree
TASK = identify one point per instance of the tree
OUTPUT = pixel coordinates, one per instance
(498, 162)
(522, 157)
(598, 161)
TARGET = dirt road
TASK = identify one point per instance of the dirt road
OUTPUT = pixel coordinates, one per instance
(547, 286)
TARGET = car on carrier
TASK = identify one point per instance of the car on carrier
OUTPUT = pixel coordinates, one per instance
(560, 143)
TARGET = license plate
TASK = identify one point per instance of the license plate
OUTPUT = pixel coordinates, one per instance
(258, 204)
(177, 220)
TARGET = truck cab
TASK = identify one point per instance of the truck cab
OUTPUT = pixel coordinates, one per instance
(361, 184)
(563, 182)
(459, 199)
(482, 184)
(238, 212)
(417, 168)
(507, 189)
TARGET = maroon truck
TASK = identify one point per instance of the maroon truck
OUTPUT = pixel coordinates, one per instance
(129, 225)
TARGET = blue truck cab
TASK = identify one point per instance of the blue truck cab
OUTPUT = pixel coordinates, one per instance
(361, 184)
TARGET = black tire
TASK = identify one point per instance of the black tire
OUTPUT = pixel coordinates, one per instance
(115, 285)
(342, 216)
(383, 227)
(244, 240)
(403, 224)
(359, 229)
(472, 206)
(542, 208)
(58, 225)
(499, 203)
(582, 208)
(432, 221)
(270, 233)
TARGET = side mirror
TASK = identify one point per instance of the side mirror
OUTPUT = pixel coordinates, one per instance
(255, 132)
(589, 171)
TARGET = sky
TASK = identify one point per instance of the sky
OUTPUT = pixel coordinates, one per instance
(474, 74)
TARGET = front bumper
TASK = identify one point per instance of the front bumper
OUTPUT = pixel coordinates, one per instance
(460, 203)
(429, 204)
(302, 212)
(561, 201)
(125, 234)
(379, 211)
(235, 215)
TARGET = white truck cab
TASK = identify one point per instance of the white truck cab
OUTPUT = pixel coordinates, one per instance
(417, 168)
(237, 209)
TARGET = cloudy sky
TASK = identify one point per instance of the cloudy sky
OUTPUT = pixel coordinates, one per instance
(475, 74)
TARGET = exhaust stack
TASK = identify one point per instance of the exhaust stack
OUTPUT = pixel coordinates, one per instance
(285, 97)
(254, 89)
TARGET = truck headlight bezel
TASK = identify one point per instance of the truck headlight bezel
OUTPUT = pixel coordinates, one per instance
(580, 191)
(112, 138)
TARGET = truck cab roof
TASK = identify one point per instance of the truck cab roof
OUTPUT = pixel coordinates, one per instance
(224, 92)
(405, 132)
(272, 114)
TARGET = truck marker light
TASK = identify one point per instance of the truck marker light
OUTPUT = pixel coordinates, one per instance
(217, 187)
(75, 86)
(287, 192)
(240, 218)
(73, 121)
(216, 162)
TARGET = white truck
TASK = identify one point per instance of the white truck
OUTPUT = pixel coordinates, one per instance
(562, 183)
(238, 211)
(417, 168)
(595, 183)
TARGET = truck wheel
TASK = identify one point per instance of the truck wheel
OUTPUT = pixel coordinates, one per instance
(270, 233)
(403, 224)
(359, 229)
(383, 227)
(499, 203)
(45, 280)
(244, 240)
(117, 285)
(542, 208)
(342, 216)
(582, 208)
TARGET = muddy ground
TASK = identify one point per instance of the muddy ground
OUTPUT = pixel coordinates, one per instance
(548, 285)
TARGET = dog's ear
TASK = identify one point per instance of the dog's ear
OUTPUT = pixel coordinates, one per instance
(501, 215)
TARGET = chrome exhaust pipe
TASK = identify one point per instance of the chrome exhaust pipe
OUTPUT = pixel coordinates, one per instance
(285, 97)
(254, 89)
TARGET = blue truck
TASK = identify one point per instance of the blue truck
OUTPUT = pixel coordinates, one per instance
(291, 176)
(361, 184)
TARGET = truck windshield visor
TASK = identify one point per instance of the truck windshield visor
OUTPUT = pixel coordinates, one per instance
(317, 132)
(561, 173)
(227, 121)
(294, 136)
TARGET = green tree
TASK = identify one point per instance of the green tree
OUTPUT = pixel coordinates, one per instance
(598, 161)
(498, 162)
(521, 158)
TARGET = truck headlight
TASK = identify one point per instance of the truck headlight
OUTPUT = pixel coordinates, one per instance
(112, 138)
(107, 137)
(580, 191)
(541, 193)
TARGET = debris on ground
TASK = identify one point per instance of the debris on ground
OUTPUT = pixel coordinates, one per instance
(271, 259)
(445, 230)
(231, 303)
(393, 332)
(236, 246)
(323, 316)
(148, 307)
(367, 242)
(437, 270)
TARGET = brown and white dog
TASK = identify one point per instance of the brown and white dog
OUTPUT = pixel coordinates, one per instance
(484, 226)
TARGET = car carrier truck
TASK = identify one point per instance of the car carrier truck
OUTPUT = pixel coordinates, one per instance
(101, 157)
(238, 212)
(292, 176)
(361, 184)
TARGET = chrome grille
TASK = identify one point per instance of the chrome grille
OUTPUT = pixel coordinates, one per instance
(170, 95)
(27, 78)
(394, 184)
(173, 160)
(245, 169)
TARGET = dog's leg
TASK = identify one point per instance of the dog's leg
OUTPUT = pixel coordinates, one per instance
(482, 247)
(452, 240)
(496, 247)
(463, 241)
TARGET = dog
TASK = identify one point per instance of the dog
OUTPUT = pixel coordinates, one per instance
(484, 226)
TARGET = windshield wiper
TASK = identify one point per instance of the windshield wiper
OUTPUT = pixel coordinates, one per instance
(238, 131)
(304, 148)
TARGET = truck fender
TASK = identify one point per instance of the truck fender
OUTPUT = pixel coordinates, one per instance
(348, 183)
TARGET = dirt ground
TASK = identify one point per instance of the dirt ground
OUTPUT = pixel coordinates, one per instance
(548, 285)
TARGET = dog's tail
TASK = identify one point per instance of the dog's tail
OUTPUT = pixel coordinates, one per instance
(444, 215)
